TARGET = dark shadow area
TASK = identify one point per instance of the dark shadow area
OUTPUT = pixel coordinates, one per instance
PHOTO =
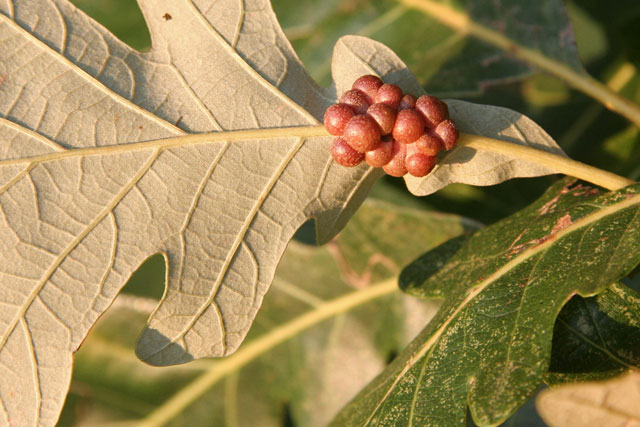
(306, 233)
(391, 356)
(484, 204)
(413, 277)
(633, 280)
(159, 349)
(287, 416)
(589, 343)
(525, 416)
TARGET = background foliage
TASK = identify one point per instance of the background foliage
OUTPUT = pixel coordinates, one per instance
(278, 389)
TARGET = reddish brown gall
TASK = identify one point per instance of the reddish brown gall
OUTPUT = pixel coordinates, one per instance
(356, 100)
(381, 155)
(344, 155)
(432, 109)
(448, 133)
(384, 115)
(362, 133)
(408, 127)
(396, 166)
(389, 94)
(368, 85)
(336, 118)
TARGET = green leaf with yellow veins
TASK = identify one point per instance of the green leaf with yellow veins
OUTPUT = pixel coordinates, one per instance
(489, 346)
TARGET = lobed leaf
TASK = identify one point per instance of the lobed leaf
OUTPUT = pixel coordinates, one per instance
(98, 172)
(489, 345)
(109, 156)
(478, 167)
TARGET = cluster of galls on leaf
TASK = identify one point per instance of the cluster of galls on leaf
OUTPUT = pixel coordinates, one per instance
(377, 123)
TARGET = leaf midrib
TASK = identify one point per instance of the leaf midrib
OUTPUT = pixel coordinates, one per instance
(178, 141)
(476, 290)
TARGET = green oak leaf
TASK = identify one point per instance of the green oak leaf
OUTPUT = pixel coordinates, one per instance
(496, 30)
(596, 338)
(489, 346)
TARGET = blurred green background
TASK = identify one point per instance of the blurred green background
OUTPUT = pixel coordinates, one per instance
(110, 385)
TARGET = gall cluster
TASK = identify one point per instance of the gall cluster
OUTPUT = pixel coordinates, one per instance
(377, 123)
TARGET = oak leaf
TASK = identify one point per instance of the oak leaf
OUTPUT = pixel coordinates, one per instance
(109, 155)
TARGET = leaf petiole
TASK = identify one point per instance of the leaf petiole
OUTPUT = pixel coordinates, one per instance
(561, 164)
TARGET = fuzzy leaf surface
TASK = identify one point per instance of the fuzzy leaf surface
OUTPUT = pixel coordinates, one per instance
(489, 345)
(605, 403)
(596, 338)
(98, 172)
(109, 155)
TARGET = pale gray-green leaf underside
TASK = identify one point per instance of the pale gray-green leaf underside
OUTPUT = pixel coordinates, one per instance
(74, 227)
(77, 216)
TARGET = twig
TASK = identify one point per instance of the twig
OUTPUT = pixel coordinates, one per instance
(251, 350)
(581, 81)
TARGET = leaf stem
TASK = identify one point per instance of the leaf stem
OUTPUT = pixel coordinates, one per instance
(558, 163)
(561, 164)
(463, 23)
(252, 350)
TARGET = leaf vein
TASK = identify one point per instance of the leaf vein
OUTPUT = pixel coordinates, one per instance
(195, 201)
(34, 370)
(196, 98)
(240, 236)
(233, 53)
(72, 245)
(71, 67)
(239, 25)
(30, 133)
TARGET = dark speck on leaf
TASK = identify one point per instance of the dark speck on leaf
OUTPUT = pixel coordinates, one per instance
(166, 17)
